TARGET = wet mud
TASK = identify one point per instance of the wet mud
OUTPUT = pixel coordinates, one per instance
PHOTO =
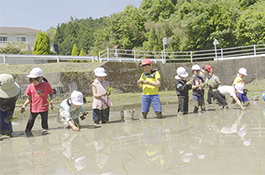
(216, 141)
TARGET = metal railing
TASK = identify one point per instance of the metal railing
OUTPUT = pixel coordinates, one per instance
(124, 55)
(38, 59)
(121, 55)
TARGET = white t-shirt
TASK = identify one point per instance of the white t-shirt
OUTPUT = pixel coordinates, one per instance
(227, 90)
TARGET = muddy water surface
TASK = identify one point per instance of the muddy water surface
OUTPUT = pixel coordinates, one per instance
(213, 142)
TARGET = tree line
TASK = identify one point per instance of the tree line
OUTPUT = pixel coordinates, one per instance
(188, 25)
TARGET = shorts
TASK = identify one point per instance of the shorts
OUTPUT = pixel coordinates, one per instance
(151, 99)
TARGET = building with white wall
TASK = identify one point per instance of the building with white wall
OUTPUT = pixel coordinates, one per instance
(18, 34)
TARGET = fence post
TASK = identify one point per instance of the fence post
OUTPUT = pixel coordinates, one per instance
(255, 50)
(134, 55)
(58, 60)
(191, 56)
(99, 55)
(4, 59)
(222, 54)
(108, 54)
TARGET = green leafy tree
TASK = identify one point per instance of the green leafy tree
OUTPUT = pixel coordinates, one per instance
(246, 3)
(202, 22)
(51, 32)
(82, 53)
(14, 48)
(251, 25)
(41, 44)
(156, 9)
(127, 28)
(75, 51)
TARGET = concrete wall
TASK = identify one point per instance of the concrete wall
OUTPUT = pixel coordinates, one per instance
(123, 76)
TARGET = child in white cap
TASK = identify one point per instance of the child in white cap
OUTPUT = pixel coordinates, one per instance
(231, 91)
(37, 92)
(198, 89)
(242, 72)
(70, 109)
(9, 91)
(101, 101)
(182, 88)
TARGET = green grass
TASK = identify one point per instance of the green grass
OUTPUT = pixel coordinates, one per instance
(49, 68)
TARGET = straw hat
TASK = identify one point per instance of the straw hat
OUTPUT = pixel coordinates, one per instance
(8, 87)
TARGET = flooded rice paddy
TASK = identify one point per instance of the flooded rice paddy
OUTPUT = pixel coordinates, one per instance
(213, 142)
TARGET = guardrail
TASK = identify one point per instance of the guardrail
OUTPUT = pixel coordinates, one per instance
(123, 55)
(38, 59)
(185, 56)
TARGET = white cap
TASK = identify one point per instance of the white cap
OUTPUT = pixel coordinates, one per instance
(243, 71)
(181, 71)
(239, 87)
(100, 72)
(35, 73)
(77, 98)
(196, 67)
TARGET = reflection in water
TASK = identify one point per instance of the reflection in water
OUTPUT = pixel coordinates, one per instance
(102, 149)
(186, 157)
(206, 143)
(238, 127)
(79, 161)
(152, 140)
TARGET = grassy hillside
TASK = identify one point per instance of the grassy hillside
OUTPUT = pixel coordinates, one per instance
(48, 68)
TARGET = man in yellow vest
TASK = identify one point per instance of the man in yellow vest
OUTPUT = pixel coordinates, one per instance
(150, 82)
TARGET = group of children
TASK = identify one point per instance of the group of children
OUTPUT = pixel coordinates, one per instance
(40, 95)
(70, 108)
(205, 78)
(149, 81)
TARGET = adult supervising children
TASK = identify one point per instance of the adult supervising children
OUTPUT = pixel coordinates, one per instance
(182, 87)
(37, 92)
(231, 91)
(150, 82)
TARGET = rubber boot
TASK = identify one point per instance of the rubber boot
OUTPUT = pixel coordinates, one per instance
(144, 114)
(203, 107)
(246, 104)
(196, 108)
(159, 114)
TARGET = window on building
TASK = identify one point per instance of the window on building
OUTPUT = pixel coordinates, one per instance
(3, 39)
(21, 39)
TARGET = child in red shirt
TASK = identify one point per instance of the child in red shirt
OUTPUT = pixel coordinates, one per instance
(37, 93)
